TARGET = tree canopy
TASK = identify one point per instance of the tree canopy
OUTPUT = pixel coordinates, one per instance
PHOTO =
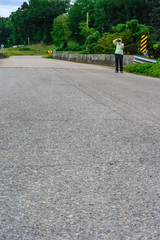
(44, 21)
(61, 31)
(34, 20)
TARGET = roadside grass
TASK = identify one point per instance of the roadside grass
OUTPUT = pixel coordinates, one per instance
(147, 69)
(35, 49)
(6, 55)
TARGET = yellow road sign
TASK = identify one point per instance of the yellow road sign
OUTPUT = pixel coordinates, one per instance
(50, 51)
(143, 43)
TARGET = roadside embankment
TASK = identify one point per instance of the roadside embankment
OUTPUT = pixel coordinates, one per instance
(102, 59)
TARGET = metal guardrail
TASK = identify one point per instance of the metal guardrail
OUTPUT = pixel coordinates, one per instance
(138, 59)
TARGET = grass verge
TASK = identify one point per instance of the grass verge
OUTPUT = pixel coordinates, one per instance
(35, 49)
(147, 69)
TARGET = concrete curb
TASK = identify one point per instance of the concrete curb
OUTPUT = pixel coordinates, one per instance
(101, 59)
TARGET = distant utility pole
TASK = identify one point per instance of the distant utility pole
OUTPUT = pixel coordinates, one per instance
(87, 18)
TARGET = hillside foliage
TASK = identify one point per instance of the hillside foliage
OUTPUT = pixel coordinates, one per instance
(94, 23)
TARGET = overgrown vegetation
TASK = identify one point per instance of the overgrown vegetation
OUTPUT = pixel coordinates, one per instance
(40, 49)
(37, 49)
(93, 23)
(61, 31)
(148, 69)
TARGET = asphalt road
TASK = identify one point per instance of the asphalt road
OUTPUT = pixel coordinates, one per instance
(80, 152)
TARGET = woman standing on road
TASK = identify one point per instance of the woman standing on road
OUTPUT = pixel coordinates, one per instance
(118, 54)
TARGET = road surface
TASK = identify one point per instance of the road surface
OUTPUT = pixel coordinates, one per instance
(80, 152)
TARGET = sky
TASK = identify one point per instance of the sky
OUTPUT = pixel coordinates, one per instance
(8, 6)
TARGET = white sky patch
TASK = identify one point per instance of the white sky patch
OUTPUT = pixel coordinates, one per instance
(9, 6)
(5, 11)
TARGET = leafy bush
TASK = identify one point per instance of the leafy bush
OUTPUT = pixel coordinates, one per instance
(130, 33)
(85, 30)
(148, 69)
(91, 41)
(105, 44)
(154, 50)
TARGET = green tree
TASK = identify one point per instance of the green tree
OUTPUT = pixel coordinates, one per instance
(5, 31)
(78, 14)
(85, 30)
(108, 13)
(41, 15)
(61, 32)
(20, 25)
(34, 20)
(105, 44)
(91, 42)
(154, 16)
